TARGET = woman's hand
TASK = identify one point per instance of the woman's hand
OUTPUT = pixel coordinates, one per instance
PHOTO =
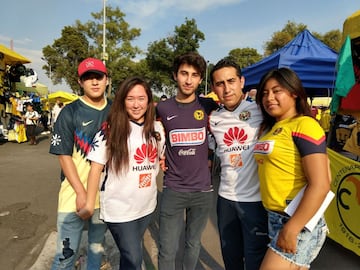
(287, 239)
(85, 213)
(163, 164)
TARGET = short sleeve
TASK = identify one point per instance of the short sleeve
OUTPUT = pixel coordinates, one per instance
(62, 141)
(309, 137)
(98, 151)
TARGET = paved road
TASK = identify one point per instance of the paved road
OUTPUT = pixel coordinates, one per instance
(28, 198)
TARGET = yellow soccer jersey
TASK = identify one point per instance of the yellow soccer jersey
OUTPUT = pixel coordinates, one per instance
(278, 154)
(73, 135)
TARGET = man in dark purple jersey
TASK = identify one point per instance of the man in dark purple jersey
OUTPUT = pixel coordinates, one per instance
(187, 180)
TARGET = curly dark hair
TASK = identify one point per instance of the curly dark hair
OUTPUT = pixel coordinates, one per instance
(191, 58)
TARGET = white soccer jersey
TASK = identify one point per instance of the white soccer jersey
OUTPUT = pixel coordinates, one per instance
(235, 133)
(132, 195)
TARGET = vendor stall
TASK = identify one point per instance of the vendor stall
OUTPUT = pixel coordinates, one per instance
(18, 86)
(10, 57)
(62, 96)
(39, 89)
(342, 216)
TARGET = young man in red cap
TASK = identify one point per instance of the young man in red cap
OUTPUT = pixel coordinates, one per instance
(74, 130)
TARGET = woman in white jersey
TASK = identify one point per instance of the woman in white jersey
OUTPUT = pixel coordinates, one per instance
(124, 165)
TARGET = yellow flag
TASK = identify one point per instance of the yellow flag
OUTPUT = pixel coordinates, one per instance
(342, 215)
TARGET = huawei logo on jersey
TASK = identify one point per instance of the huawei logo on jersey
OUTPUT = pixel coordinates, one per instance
(235, 135)
(145, 151)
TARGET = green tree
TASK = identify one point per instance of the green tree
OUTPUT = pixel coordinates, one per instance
(64, 55)
(161, 54)
(186, 37)
(333, 39)
(159, 60)
(280, 38)
(245, 56)
(86, 40)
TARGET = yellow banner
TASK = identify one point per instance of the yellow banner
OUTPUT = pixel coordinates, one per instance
(343, 214)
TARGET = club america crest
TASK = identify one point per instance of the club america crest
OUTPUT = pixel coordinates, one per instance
(277, 131)
(244, 116)
(199, 115)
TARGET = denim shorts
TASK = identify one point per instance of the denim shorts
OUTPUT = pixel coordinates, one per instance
(308, 243)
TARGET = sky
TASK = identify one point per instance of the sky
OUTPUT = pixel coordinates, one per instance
(29, 26)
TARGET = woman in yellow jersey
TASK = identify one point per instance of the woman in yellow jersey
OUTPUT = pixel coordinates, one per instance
(291, 155)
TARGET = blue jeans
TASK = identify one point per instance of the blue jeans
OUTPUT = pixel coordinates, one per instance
(309, 243)
(128, 237)
(197, 206)
(70, 227)
(243, 233)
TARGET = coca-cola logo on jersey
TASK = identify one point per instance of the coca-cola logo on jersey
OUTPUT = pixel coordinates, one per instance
(187, 152)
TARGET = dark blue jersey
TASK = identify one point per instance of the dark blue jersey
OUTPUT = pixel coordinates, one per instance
(75, 128)
(186, 127)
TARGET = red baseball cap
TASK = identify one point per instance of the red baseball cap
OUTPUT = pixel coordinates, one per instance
(91, 65)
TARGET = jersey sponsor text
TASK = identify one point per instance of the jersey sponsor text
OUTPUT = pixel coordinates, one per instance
(181, 137)
(264, 147)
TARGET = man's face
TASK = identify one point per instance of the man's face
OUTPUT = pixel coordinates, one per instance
(188, 80)
(94, 85)
(228, 87)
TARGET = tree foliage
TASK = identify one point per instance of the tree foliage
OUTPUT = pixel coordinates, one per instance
(280, 38)
(245, 56)
(161, 54)
(64, 55)
(86, 40)
(83, 40)
(333, 39)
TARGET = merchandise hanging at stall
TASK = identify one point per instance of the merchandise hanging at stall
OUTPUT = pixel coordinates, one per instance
(39, 89)
(18, 87)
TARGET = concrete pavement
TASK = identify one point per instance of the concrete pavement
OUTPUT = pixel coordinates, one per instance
(332, 257)
(28, 190)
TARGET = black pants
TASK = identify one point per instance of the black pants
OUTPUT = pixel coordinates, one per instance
(31, 130)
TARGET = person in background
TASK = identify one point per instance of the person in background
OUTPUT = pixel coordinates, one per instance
(44, 121)
(291, 154)
(73, 133)
(187, 187)
(55, 111)
(325, 120)
(127, 148)
(31, 119)
(251, 95)
(242, 219)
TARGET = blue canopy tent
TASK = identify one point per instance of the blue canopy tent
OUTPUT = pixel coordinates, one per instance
(313, 61)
